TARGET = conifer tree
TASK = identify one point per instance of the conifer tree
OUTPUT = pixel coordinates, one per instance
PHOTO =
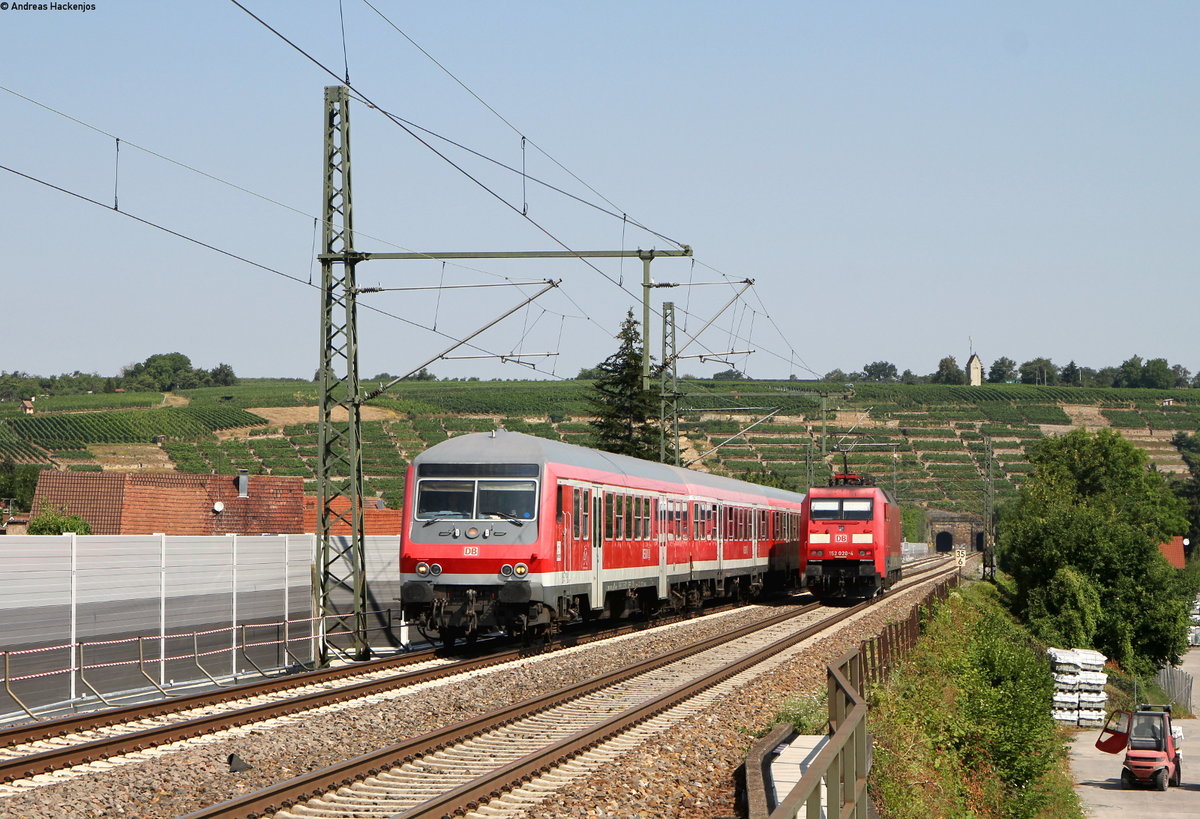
(626, 416)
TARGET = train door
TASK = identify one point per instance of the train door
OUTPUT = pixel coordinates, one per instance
(665, 508)
(721, 520)
(597, 530)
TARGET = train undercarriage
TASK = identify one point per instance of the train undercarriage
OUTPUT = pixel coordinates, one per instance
(446, 614)
(834, 579)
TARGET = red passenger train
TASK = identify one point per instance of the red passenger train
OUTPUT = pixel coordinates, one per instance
(517, 533)
(853, 534)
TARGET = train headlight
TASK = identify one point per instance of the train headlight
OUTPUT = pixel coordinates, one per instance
(423, 569)
(864, 552)
(473, 532)
(506, 570)
(818, 553)
(520, 570)
(435, 570)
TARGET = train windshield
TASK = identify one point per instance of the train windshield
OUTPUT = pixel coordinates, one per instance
(507, 499)
(476, 499)
(841, 509)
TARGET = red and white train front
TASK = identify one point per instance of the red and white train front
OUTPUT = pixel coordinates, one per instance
(853, 537)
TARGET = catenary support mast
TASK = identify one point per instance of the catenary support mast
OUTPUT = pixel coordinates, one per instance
(339, 454)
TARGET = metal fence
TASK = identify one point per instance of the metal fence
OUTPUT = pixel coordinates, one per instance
(86, 620)
(1177, 684)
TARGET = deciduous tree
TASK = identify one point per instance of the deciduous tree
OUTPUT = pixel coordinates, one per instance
(1003, 369)
(948, 372)
(1092, 505)
(880, 371)
(1039, 371)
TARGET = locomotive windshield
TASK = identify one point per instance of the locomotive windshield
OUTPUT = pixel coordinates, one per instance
(476, 499)
(841, 509)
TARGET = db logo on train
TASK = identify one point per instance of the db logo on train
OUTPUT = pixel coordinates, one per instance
(841, 538)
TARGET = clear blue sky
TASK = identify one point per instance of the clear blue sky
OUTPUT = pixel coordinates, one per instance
(898, 178)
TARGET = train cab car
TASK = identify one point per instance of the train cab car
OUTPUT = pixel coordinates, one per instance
(513, 533)
(852, 538)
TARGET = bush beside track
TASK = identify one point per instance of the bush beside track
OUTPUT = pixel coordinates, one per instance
(963, 727)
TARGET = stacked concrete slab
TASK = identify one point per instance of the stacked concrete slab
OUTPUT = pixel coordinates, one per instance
(1079, 680)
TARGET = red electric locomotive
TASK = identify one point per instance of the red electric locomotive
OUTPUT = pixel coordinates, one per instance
(510, 532)
(852, 538)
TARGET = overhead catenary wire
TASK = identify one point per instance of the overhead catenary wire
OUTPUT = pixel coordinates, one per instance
(501, 117)
(259, 265)
(225, 182)
(317, 220)
(581, 313)
(403, 125)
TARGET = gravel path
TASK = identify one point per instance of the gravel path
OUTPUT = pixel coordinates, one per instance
(688, 774)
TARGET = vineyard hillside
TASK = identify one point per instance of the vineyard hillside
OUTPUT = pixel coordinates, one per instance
(935, 445)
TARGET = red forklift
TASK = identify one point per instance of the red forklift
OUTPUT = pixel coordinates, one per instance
(1150, 743)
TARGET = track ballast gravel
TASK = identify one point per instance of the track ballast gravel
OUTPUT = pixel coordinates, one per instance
(689, 772)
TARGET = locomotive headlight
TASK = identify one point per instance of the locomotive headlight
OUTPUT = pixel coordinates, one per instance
(864, 552)
(473, 532)
(521, 570)
(435, 570)
(506, 570)
(818, 553)
(423, 569)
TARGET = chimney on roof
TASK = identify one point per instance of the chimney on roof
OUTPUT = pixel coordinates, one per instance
(243, 483)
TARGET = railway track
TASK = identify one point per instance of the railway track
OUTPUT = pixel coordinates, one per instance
(499, 756)
(38, 748)
(60, 744)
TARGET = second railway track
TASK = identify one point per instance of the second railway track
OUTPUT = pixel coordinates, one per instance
(453, 770)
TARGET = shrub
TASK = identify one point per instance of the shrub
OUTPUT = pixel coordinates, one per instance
(969, 717)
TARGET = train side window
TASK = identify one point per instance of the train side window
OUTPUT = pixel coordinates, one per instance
(585, 514)
(576, 510)
(561, 501)
(610, 513)
(635, 513)
(648, 525)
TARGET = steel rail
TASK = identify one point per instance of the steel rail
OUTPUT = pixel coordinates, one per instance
(107, 718)
(306, 786)
(24, 767)
(470, 795)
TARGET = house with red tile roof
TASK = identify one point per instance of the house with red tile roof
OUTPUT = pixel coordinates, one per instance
(140, 503)
(377, 520)
(1172, 550)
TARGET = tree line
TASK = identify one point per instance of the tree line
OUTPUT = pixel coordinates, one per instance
(161, 372)
(1154, 373)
